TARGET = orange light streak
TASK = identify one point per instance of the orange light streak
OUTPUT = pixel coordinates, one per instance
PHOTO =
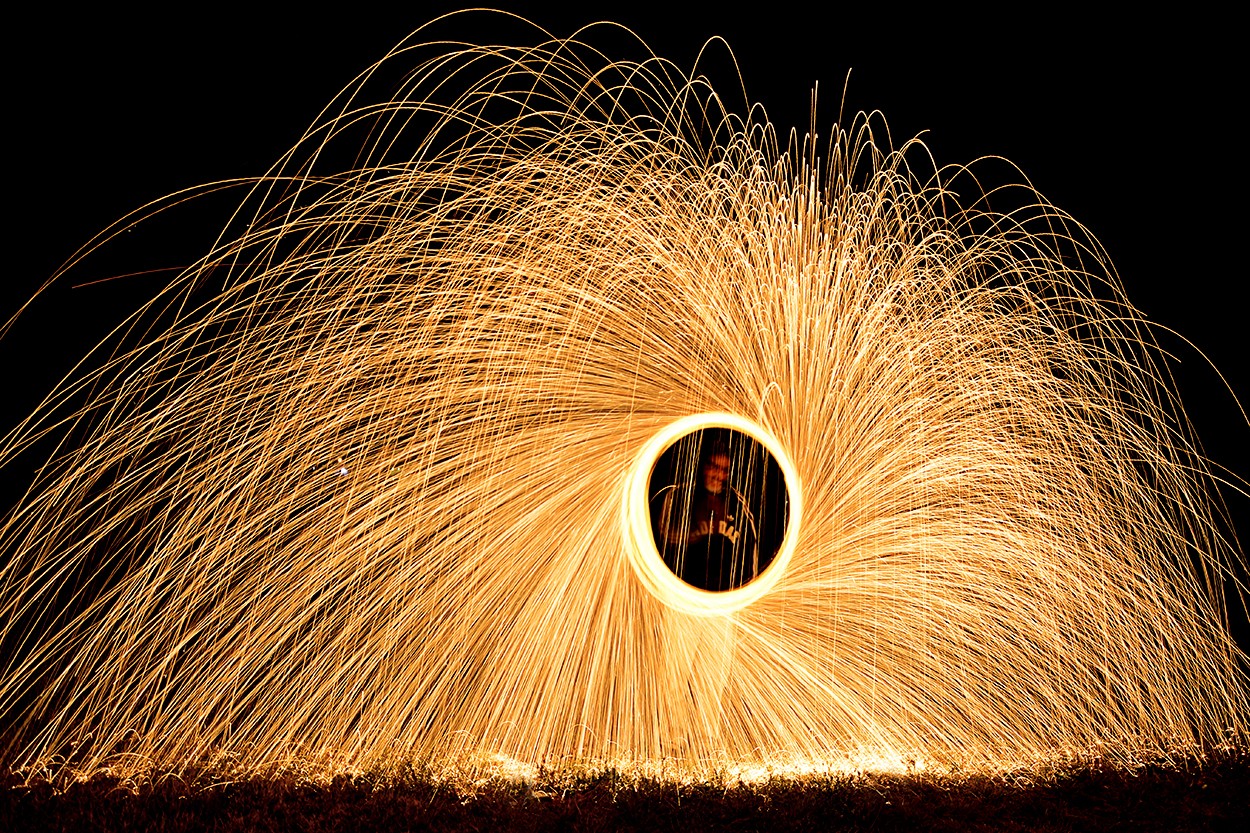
(361, 487)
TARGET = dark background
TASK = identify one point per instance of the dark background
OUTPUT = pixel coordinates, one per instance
(1129, 126)
(754, 481)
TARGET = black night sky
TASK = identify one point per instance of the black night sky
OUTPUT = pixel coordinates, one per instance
(1129, 127)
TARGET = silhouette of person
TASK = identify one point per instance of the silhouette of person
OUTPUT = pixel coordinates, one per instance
(705, 532)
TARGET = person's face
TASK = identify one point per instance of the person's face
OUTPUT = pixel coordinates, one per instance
(714, 473)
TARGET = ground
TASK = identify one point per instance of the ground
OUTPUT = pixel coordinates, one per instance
(1202, 793)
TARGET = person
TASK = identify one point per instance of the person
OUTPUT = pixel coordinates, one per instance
(704, 530)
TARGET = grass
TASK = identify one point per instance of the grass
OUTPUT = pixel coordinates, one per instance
(1209, 793)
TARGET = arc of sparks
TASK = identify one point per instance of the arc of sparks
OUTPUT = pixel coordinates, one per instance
(360, 486)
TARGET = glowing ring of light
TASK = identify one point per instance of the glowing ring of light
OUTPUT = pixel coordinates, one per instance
(647, 562)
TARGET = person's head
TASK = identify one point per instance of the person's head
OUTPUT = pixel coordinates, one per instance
(714, 470)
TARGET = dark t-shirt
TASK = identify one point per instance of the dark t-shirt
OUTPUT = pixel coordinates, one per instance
(708, 540)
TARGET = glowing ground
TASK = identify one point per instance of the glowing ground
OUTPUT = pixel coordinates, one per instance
(1195, 792)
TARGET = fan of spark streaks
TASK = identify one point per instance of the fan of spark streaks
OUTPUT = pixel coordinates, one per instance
(350, 489)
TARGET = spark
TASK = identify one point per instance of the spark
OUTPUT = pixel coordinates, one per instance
(1002, 541)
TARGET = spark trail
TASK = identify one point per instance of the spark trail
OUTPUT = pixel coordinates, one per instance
(355, 488)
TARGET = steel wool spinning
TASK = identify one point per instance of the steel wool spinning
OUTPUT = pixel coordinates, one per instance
(376, 480)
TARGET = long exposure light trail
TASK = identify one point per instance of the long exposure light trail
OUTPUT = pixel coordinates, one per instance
(357, 489)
